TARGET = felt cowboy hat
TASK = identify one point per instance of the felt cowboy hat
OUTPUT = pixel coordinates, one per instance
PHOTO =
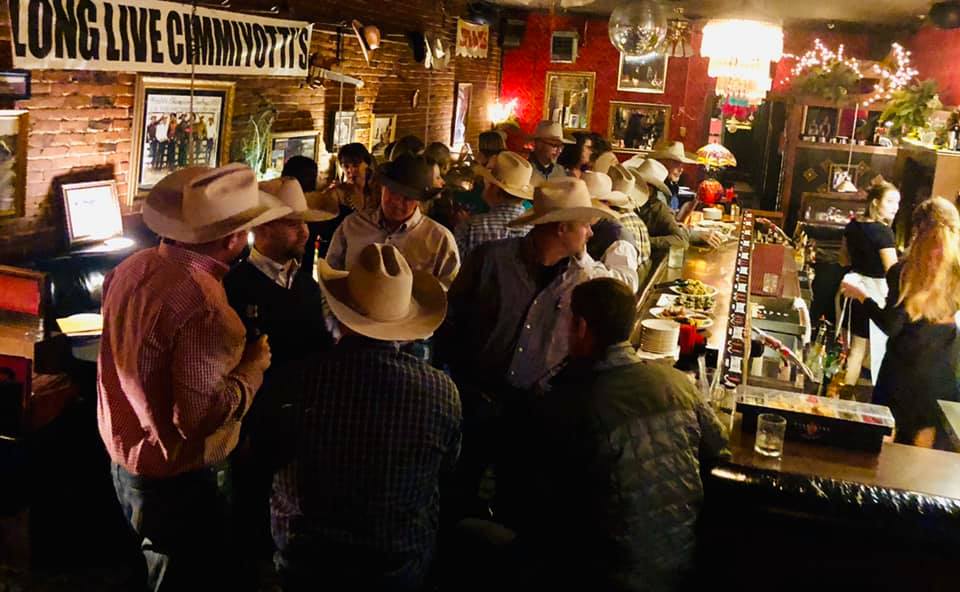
(623, 180)
(368, 36)
(382, 298)
(674, 151)
(199, 204)
(511, 172)
(550, 131)
(309, 207)
(600, 186)
(652, 172)
(565, 199)
(410, 176)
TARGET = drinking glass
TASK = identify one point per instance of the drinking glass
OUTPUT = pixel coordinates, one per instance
(770, 430)
(675, 260)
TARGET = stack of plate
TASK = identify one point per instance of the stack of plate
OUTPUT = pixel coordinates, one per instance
(659, 336)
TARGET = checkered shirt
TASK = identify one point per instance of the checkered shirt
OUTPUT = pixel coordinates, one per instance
(488, 227)
(632, 222)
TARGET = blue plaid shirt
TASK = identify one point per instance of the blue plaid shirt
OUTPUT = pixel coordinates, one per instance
(491, 226)
(371, 430)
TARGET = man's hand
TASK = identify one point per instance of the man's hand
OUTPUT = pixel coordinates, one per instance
(708, 237)
(256, 355)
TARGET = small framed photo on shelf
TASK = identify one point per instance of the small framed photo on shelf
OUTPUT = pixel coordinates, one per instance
(569, 99)
(93, 212)
(820, 122)
(286, 145)
(637, 127)
(643, 74)
(14, 126)
(344, 128)
(15, 84)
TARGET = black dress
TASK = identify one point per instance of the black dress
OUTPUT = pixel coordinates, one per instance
(920, 365)
(864, 242)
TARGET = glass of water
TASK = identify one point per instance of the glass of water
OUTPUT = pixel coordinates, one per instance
(675, 260)
(770, 430)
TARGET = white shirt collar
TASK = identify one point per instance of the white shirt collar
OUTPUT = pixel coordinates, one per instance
(281, 274)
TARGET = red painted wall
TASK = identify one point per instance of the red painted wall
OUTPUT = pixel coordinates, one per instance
(936, 54)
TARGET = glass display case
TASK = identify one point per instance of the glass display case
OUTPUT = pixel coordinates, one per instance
(831, 210)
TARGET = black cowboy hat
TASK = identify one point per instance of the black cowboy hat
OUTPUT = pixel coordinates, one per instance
(410, 176)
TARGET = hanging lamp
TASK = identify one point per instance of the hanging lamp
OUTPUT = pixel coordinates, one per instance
(740, 52)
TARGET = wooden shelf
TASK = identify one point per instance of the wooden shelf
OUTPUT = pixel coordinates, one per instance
(846, 148)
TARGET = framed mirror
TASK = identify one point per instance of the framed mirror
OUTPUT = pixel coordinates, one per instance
(637, 127)
(569, 99)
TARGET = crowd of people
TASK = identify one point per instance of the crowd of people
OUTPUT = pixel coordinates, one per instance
(178, 140)
(401, 386)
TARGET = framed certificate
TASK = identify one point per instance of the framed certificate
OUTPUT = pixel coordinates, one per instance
(93, 212)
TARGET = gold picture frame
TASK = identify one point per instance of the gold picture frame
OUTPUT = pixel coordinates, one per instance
(384, 126)
(285, 145)
(14, 127)
(159, 100)
(647, 74)
(568, 99)
(630, 128)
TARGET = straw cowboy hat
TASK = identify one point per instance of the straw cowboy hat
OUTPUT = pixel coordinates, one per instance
(368, 36)
(600, 186)
(623, 180)
(311, 207)
(511, 172)
(676, 152)
(550, 131)
(563, 200)
(199, 204)
(410, 176)
(382, 298)
(652, 172)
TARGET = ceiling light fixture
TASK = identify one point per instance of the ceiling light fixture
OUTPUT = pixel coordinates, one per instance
(740, 52)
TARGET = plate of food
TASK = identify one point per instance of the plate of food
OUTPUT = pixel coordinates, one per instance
(693, 288)
(683, 316)
(697, 303)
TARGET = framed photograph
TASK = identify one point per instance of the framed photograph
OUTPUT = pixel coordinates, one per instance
(461, 114)
(171, 131)
(93, 212)
(344, 127)
(643, 74)
(14, 126)
(15, 84)
(285, 145)
(569, 99)
(638, 127)
(821, 122)
(382, 132)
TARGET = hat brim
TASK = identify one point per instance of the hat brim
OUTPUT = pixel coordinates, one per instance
(163, 214)
(660, 185)
(615, 198)
(408, 192)
(321, 207)
(552, 139)
(428, 307)
(685, 158)
(579, 214)
(639, 196)
(525, 192)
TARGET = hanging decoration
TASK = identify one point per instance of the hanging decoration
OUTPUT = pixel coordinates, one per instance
(677, 44)
(738, 109)
(637, 27)
(740, 52)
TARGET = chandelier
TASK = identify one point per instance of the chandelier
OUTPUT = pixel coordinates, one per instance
(677, 43)
(740, 52)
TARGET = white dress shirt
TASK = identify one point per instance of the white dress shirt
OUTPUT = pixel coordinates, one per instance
(281, 274)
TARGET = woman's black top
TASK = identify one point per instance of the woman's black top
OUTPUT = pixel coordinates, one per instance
(864, 242)
(920, 365)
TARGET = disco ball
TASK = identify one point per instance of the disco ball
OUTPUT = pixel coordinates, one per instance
(638, 27)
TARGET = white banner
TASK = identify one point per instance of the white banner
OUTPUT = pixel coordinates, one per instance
(154, 36)
(472, 40)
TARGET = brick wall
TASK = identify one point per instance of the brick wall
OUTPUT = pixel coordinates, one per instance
(80, 121)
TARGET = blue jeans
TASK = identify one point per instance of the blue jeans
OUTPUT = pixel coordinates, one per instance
(183, 527)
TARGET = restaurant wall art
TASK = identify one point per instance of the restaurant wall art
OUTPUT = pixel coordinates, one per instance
(286, 145)
(13, 162)
(638, 126)
(643, 74)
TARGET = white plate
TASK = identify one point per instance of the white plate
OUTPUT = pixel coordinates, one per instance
(670, 299)
(711, 291)
(703, 320)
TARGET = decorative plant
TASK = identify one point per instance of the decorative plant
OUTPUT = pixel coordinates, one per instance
(910, 108)
(833, 81)
(256, 142)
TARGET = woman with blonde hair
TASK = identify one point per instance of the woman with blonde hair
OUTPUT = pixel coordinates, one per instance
(920, 320)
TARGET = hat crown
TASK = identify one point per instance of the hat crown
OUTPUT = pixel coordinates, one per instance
(288, 191)
(409, 175)
(651, 169)
(220, 194)
(560, 194)
(598, 184)
(673, 151)
(549, 130)
(622, 179)
(381, 283)
(512, 169)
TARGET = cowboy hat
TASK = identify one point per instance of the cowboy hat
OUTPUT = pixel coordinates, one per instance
(382, 298)
(550, 131)
(311, 207)
(199, 204)
(652, 172)
(369, 38)
(674, 151)
(511, 172)
(410, 176)
(565, 199)
(623, 180)
(600, 186)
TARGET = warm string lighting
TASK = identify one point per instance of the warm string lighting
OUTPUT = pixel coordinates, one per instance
(821, 56)
(892, 81)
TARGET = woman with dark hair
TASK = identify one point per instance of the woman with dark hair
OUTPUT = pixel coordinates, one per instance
(575, 158)
(603, 156)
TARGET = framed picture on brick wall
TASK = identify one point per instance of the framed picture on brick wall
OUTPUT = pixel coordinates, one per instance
(286, 145)
(13, 162)
(461, 114)
(174, 128)
(382, 132)
(93, 212)
(344, 128)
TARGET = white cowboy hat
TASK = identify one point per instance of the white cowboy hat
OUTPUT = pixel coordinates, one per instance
(382, 298)
(550, 131)
(652, 172)
(512, 173)
(674, 151)
(605, 162)
(312, 207)
(600, 186)
(623, 180)
(565, 199)
(199, 204)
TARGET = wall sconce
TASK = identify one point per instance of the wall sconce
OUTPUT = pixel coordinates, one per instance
(499, 112)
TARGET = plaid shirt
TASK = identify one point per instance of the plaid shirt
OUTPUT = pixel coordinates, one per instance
(491, 226)
(632, 222)
(372, 430)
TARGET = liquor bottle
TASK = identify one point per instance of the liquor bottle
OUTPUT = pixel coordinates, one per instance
(818, 352)
(955, 135)
(251, 320)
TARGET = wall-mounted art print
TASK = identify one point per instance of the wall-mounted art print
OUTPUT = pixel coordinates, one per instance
(461, 114)
(569, 99)
(643, 74)
(15, 84)
(638, 126)
(93, 212)
(286, 145)
(382, 132)
(13, 162)
(344, 128)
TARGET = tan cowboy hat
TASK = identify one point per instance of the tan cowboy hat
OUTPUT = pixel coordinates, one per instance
(382, 298)
(652, 172)
(674, 151)
(511, 172)
(198, 204)
(623, 180)
(600, 186)
(565, 199)
(312, 207)
(550, 131)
